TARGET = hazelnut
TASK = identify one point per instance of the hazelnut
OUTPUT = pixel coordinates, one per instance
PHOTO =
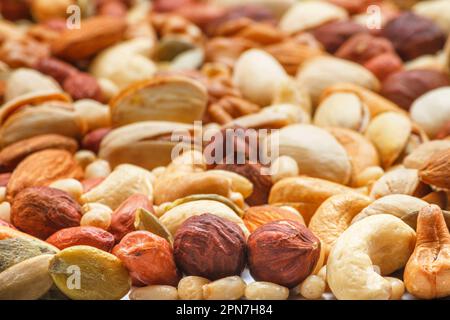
(332, 35)
(210, 247)
(283, 252)
(149, 259)
(41, 211)
(414, 36)
(405, 87)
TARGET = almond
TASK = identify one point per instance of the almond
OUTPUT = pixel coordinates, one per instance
(13, 154)
(436, 171)
(95, 34)
(41, 169)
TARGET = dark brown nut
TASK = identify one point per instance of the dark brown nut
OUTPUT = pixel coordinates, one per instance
(404, 87)
(124, 217)
(93, 139)
(332, 35)
(414, 36)
(211, 247)
(148, 258)
(436, 171)
(444, 132)
(41, 211)
(14, 10)
(13, 154)
(384, 65)
(55, 68)
(283, 252)
(41, 169)
(262, 183)
(360, 48)
(82, 85)
(4, 178)
(85, 235)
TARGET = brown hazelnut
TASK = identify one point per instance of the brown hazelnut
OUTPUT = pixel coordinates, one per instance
(210, 247)
(406, 86)
(332, 35)
(148, 258)
(362, 47)
(414, 36)
(283, 252)
(384, 65)
(41, 211)
(93, 139)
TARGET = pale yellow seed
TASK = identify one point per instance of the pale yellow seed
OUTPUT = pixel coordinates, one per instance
(155, 292)
(261, 290)
(5, 212)
(71, 186)
(369, 176)
(96, 218)
(158, 171)
(313, 287)
(97, 169)
(191, 288)
(398, 288)
(238, 199)
(283, 167)
(229, 288)
(85, 158)
(323, 273)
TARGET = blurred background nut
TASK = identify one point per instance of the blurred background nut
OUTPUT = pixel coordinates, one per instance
(71, 186)
(435, 10)
(5, 212)
(93, 139)
(43, 10)
(404, 87)
(444, 132)
(96, 218)
(148, 258)
(414, 36)
(210, 247)
(41, 211)
(14, 10)
(191, 288)
(283, 167)
(267, 248)
(155, 292)
(384, 65)
(436, 171)
(229, 288)
(254, 217)
(84, 235)
(420, 156)
(333, 34)
(97, 169)
(398, 288)
(260, 290)
(85, 157)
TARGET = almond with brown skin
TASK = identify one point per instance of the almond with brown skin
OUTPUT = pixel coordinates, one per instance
(436, 171)
(95, 34)
(13, 154)
(427, 273)
(41, 169)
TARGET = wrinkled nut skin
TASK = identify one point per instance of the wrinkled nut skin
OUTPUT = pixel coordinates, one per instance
(414, 36)
(404, 87)
(427, 273)
(85, 235)
(13, 154)
(332, 35)
(283, 252)
(123, 218)
(262, 183)
(41, 169)
(436, 171)
(41, 211)
(209, 246)
(148, 258)
(93, 139)
(254, 217)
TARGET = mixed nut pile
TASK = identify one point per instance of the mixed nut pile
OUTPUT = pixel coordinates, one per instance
(94, 204)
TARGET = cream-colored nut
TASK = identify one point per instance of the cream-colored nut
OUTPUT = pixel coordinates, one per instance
(191, 288)
(158, 171)
(418, 158)
(256, 75)
(2, 194)
(95, 206)
(323, 273)
(398, 288)
(368, 176)
(229, 288)
(154, 292)
(238, 183)
(97, 169)
(162, 208)
(238, 199)
(398, 181)
(5, 212)
(313, 287)
(261, 290)
(122, 183)
(95, 114)
(71, 186)
(283, 167)
(85, 158)
(96, 218)
(382, 240)
(109, 89)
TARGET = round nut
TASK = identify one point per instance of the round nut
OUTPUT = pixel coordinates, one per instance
(261, 290)
(277, 244)
(96, 218)
(155, 292)
(71, 186)
(191, 288)
(210, 247)
(85, 158)
(313, 287)
(229, 288)
(97, 169)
